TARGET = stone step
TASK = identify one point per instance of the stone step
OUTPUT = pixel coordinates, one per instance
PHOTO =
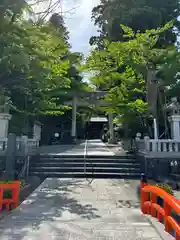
(81, 169)
(81, 156)
(88, 164)
(87, 175)
(175, 176)
(81, 160)
(53, 165)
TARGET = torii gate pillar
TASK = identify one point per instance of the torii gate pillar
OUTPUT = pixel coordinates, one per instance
(111, 129)
(74, 112)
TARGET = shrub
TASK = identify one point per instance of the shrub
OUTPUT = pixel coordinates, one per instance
(166, 188)
(22, 183)
(7, 193)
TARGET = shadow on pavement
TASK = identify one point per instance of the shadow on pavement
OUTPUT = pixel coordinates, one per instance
(49, 203)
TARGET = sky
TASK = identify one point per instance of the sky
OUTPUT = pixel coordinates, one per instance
(79, 23)
(80, 26)
(77, 16)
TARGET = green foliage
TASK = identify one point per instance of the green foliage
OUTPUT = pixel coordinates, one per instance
(121, 69)
(35, 61)
(139, 15)
(166, 188)
(7, 193)
(22, 182)
(126, 46)
(6, 182)
(32, 67)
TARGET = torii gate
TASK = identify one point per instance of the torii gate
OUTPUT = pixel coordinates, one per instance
(89, 99)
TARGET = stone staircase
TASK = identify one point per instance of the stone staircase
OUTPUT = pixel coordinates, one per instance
(74, 166)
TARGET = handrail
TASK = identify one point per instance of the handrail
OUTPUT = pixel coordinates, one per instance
(25, 168)
(85, 155)
(150, 206)
(85, 158)
(172, 202)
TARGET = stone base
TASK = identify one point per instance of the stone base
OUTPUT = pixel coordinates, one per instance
(158, 168)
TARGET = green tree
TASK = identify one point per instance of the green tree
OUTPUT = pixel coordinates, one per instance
(139, 15)
(35, 61)
(126, 89)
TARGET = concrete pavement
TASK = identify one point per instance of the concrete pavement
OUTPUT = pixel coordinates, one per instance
(76, 209)
(94, 147)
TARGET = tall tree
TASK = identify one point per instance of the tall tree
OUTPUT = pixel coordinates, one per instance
(35, 60)
(140, 15)
(127, 88)
(57, 22)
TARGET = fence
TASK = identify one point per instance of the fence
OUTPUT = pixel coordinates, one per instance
(163, 212)
(21, 145)
(147, 145)
(11, 201)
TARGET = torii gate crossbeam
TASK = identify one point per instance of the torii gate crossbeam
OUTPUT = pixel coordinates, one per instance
(91, 100)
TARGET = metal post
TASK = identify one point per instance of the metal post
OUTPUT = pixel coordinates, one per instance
(10, 157)
(74, 110)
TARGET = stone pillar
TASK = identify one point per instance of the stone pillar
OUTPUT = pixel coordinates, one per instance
(25, 145)
(37, 130)
(155, 128)
(175, 126)
(111, 129)
(74, 111)
(4, 124)
(10, 157)
(146, 142)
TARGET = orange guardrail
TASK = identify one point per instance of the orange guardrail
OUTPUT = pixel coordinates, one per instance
(149, 205)
(13, 200)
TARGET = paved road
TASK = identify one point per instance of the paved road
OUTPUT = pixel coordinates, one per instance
(75, 209)
(94, 147)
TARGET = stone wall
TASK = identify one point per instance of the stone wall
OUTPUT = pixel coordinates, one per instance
(2, 164)
(142, 161)
(19, 163)
(159, 167)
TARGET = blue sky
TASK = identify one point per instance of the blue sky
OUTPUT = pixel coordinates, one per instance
(79, 23)
(80, 26)
(77, 16)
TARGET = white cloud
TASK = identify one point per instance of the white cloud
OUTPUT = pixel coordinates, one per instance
(77, 14)
(79, 24)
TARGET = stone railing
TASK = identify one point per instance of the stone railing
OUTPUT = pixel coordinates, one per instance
(33, 143)
(140, 145)
(147, 145)
(163, 145)
(30, 144)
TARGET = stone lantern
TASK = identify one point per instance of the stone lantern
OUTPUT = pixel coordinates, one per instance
(174, 119)
(5, 117)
